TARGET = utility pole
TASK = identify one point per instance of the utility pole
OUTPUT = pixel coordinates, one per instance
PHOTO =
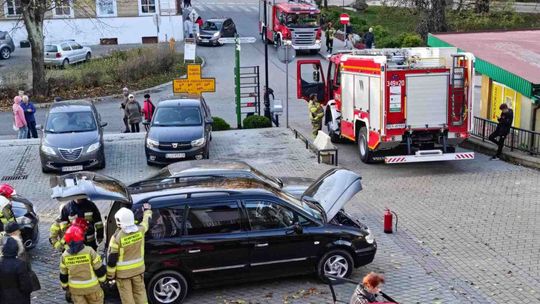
(266, 100)
(237, 81)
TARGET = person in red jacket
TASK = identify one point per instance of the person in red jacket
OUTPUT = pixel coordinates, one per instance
(148, 111)
(199, 21)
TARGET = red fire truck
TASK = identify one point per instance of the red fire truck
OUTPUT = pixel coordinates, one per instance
(291, 22)
(399, 105)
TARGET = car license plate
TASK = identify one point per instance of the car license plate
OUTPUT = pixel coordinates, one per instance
(175, 155)
(205, 40)
(72, 168)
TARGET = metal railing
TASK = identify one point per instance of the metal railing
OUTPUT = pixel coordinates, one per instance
(518, 139)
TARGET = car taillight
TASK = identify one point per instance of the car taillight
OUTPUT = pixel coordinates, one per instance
(58, 55)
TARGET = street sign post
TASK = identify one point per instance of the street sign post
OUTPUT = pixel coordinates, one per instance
(344, 19)
(194, 83)
(237, 41)
(286, 54)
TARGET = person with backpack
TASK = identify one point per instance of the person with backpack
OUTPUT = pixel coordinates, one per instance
(148, 111)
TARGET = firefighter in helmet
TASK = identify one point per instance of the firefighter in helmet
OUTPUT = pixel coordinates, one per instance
(316, 114)
(128, 266)
(81, 269)
(6, 212)
(56, 232)
(87, 210)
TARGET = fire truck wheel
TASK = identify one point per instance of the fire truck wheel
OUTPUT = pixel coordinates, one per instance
(365, 155)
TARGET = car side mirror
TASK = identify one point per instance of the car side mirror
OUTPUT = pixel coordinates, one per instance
(210, 121)
(103, 124)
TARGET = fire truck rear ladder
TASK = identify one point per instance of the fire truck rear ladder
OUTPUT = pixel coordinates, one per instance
(459, 87)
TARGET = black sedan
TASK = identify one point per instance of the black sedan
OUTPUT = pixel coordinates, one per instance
(212, 230)
(213, 29)
(23, 210)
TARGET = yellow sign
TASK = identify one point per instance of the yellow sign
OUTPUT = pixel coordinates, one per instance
(194, 84)
(502, 94)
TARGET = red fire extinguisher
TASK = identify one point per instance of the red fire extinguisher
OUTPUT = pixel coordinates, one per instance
(388, 220)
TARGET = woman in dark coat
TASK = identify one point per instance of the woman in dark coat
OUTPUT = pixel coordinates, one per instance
(15, 283)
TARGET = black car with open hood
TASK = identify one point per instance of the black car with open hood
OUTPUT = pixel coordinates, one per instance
(212, 230)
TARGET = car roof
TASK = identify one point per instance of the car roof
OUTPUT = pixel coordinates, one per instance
(207, 165)
(71, 106)
(218, 186)
(183, 102)
(217, 19)
(55, 42)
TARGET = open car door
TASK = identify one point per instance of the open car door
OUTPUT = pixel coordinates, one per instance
(88, 185)
(310, 79)
(333, 190)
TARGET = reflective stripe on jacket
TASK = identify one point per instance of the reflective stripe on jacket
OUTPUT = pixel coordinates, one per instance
(82, 272)
(126, 251)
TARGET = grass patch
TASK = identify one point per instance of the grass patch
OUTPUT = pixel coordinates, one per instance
(395, 26)
(137, 69)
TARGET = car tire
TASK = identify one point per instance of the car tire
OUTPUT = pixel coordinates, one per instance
(88, 57)
(102, 161)
(167, 286)
(335, 138)
(5, 53)
(365, 154)
(337, 262)
(65, 63)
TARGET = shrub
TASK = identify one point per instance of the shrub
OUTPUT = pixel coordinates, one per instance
(411, 40)
(256, 121)
(220, 124)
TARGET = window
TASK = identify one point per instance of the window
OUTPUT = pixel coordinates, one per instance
(62, 8)
(147, 6)
(269, 215)
(65, 47)
(222, 218)
(165, 222)
(75, 46)
(12, 8)
(106, 8)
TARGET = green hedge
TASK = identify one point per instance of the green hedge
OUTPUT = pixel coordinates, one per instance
(220, 124)
(256, 121)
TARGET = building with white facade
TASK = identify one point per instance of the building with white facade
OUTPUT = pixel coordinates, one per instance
(94, 22)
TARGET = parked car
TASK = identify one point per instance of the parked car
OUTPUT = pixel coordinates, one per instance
(209, 231)
(180, 129)
(66, 52)
(23, 210)
(6, 45)
(213, 29)
(228, 168)
(72, 138)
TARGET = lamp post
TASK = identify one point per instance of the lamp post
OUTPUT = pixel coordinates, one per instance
(266, 100)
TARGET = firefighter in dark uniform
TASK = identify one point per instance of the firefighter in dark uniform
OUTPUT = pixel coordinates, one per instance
(86, 209)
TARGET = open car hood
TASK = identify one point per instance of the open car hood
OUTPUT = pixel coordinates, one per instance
(333, 190)
(88, 185)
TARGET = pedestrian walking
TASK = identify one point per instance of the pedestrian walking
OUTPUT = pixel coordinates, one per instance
(316, 114)
(81, 269)
(29, 114)
(133, 113)
(368, 291)
(503, 129)
(148, 111)
(15, 281)
(19, 121)
(125, 94)
(89, 214)
(188, 28)
(369, 39)
(199, 22)
(125, 258)
(330, 34)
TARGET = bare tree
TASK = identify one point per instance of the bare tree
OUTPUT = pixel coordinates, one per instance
(433, 15)
(481, 6)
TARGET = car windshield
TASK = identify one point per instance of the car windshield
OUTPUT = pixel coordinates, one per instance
(302, 20)
(51, 48)
(70, 122)
(308, 207)
(177, 117)
(211, 26)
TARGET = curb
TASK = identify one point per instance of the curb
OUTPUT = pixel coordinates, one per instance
(100, 98)
(515, 157)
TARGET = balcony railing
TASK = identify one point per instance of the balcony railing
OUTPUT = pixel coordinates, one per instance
(518, 139)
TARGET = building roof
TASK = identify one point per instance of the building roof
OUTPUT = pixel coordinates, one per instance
(515, 52)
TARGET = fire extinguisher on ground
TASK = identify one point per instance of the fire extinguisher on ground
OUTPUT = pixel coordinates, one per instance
(388, 218)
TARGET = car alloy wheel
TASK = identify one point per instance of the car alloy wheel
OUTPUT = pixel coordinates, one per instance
(168, 287)
(336, 263)
(5, 53)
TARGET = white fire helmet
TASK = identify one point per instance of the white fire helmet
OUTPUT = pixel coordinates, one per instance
(126, 220)
(3, 202)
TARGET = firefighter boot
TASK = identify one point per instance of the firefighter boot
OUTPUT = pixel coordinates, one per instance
(132, 290)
